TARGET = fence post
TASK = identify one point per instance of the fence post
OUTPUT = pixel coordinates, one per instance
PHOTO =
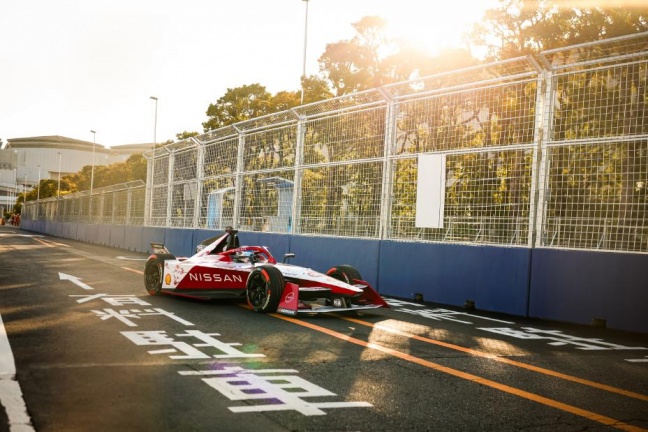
(238, 192)
(384, 230)
(169, 206)
(536, 191)
(200, 178)
(297, 181)
(148, 195)
(129, 199)
(539, 181)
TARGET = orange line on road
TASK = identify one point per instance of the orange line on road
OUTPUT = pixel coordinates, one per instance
(501, 359)
(608, 421)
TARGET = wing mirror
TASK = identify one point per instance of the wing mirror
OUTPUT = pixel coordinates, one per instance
(287, 257)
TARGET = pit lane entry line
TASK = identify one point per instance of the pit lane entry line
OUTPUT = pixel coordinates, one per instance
(500, 359)
(608, 421)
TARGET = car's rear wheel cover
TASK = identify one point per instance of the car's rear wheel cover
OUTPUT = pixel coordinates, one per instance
(153, 276)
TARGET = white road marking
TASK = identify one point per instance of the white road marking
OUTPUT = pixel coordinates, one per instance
(131, 259)
(11, 397)
(639, 360)
(7, 365)
(75, 280)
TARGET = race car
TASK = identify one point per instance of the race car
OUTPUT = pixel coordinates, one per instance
(222, 268)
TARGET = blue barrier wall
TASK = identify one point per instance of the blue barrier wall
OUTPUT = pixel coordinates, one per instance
(118, 236)
(133, 238)
(570, 286)
(578, 286)
(151, 235)
(494, 278)
(179, 241)
(81, 233)
(103, 234)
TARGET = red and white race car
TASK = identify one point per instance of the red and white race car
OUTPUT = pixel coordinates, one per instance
(221, 268)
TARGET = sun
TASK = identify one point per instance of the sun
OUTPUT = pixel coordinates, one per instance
(435, 26)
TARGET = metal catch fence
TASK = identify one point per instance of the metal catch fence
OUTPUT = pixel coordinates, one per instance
(543, 151)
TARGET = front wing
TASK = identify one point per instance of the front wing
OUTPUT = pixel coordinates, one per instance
(290, 303)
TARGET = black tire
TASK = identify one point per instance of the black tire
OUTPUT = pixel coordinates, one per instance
(264, 289)
(153, 273)
(345, 273)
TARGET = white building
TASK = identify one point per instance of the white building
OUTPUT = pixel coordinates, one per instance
(25, 161)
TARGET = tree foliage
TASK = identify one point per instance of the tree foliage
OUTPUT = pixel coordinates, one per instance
(134, 168)
(238, 104)
(520, 27)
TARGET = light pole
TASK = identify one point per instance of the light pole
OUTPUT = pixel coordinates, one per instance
(154, 142)
(59, 175)
(305, 44)
(155, 124)
(94, 142)
(38, 193)
(15, 189)
(25, 188)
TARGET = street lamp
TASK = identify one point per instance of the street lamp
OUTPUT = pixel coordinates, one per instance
(152, 178)
(155, 123)
(305, 44)
(59, 175)
(38, 193)
(94, 142)
(15, 189)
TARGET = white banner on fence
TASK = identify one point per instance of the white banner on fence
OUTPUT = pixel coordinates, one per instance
(430, 193)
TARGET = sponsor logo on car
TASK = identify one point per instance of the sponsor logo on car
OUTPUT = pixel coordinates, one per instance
(214, 277)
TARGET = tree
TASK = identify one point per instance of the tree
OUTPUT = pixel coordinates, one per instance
(520, 27)
(184, 135)
(238, 104)
(315, 89)
(355, 65)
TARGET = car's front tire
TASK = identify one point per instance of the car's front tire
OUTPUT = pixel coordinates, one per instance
(345, 273)
(264, 288)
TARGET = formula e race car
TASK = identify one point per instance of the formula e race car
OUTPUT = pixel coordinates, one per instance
(221, 268)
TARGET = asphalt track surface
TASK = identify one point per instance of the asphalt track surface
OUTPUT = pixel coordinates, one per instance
(94, 352)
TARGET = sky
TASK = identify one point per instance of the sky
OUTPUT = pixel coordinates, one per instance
(68, 67)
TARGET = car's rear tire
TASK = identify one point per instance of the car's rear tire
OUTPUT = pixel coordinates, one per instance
(264, 288)
(153, 273)
(345, 273)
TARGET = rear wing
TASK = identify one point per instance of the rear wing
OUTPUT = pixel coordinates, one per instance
(159, 248)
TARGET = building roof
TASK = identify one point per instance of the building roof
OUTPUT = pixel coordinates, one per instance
(53, 141)
(60, 142)
(131, 148)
